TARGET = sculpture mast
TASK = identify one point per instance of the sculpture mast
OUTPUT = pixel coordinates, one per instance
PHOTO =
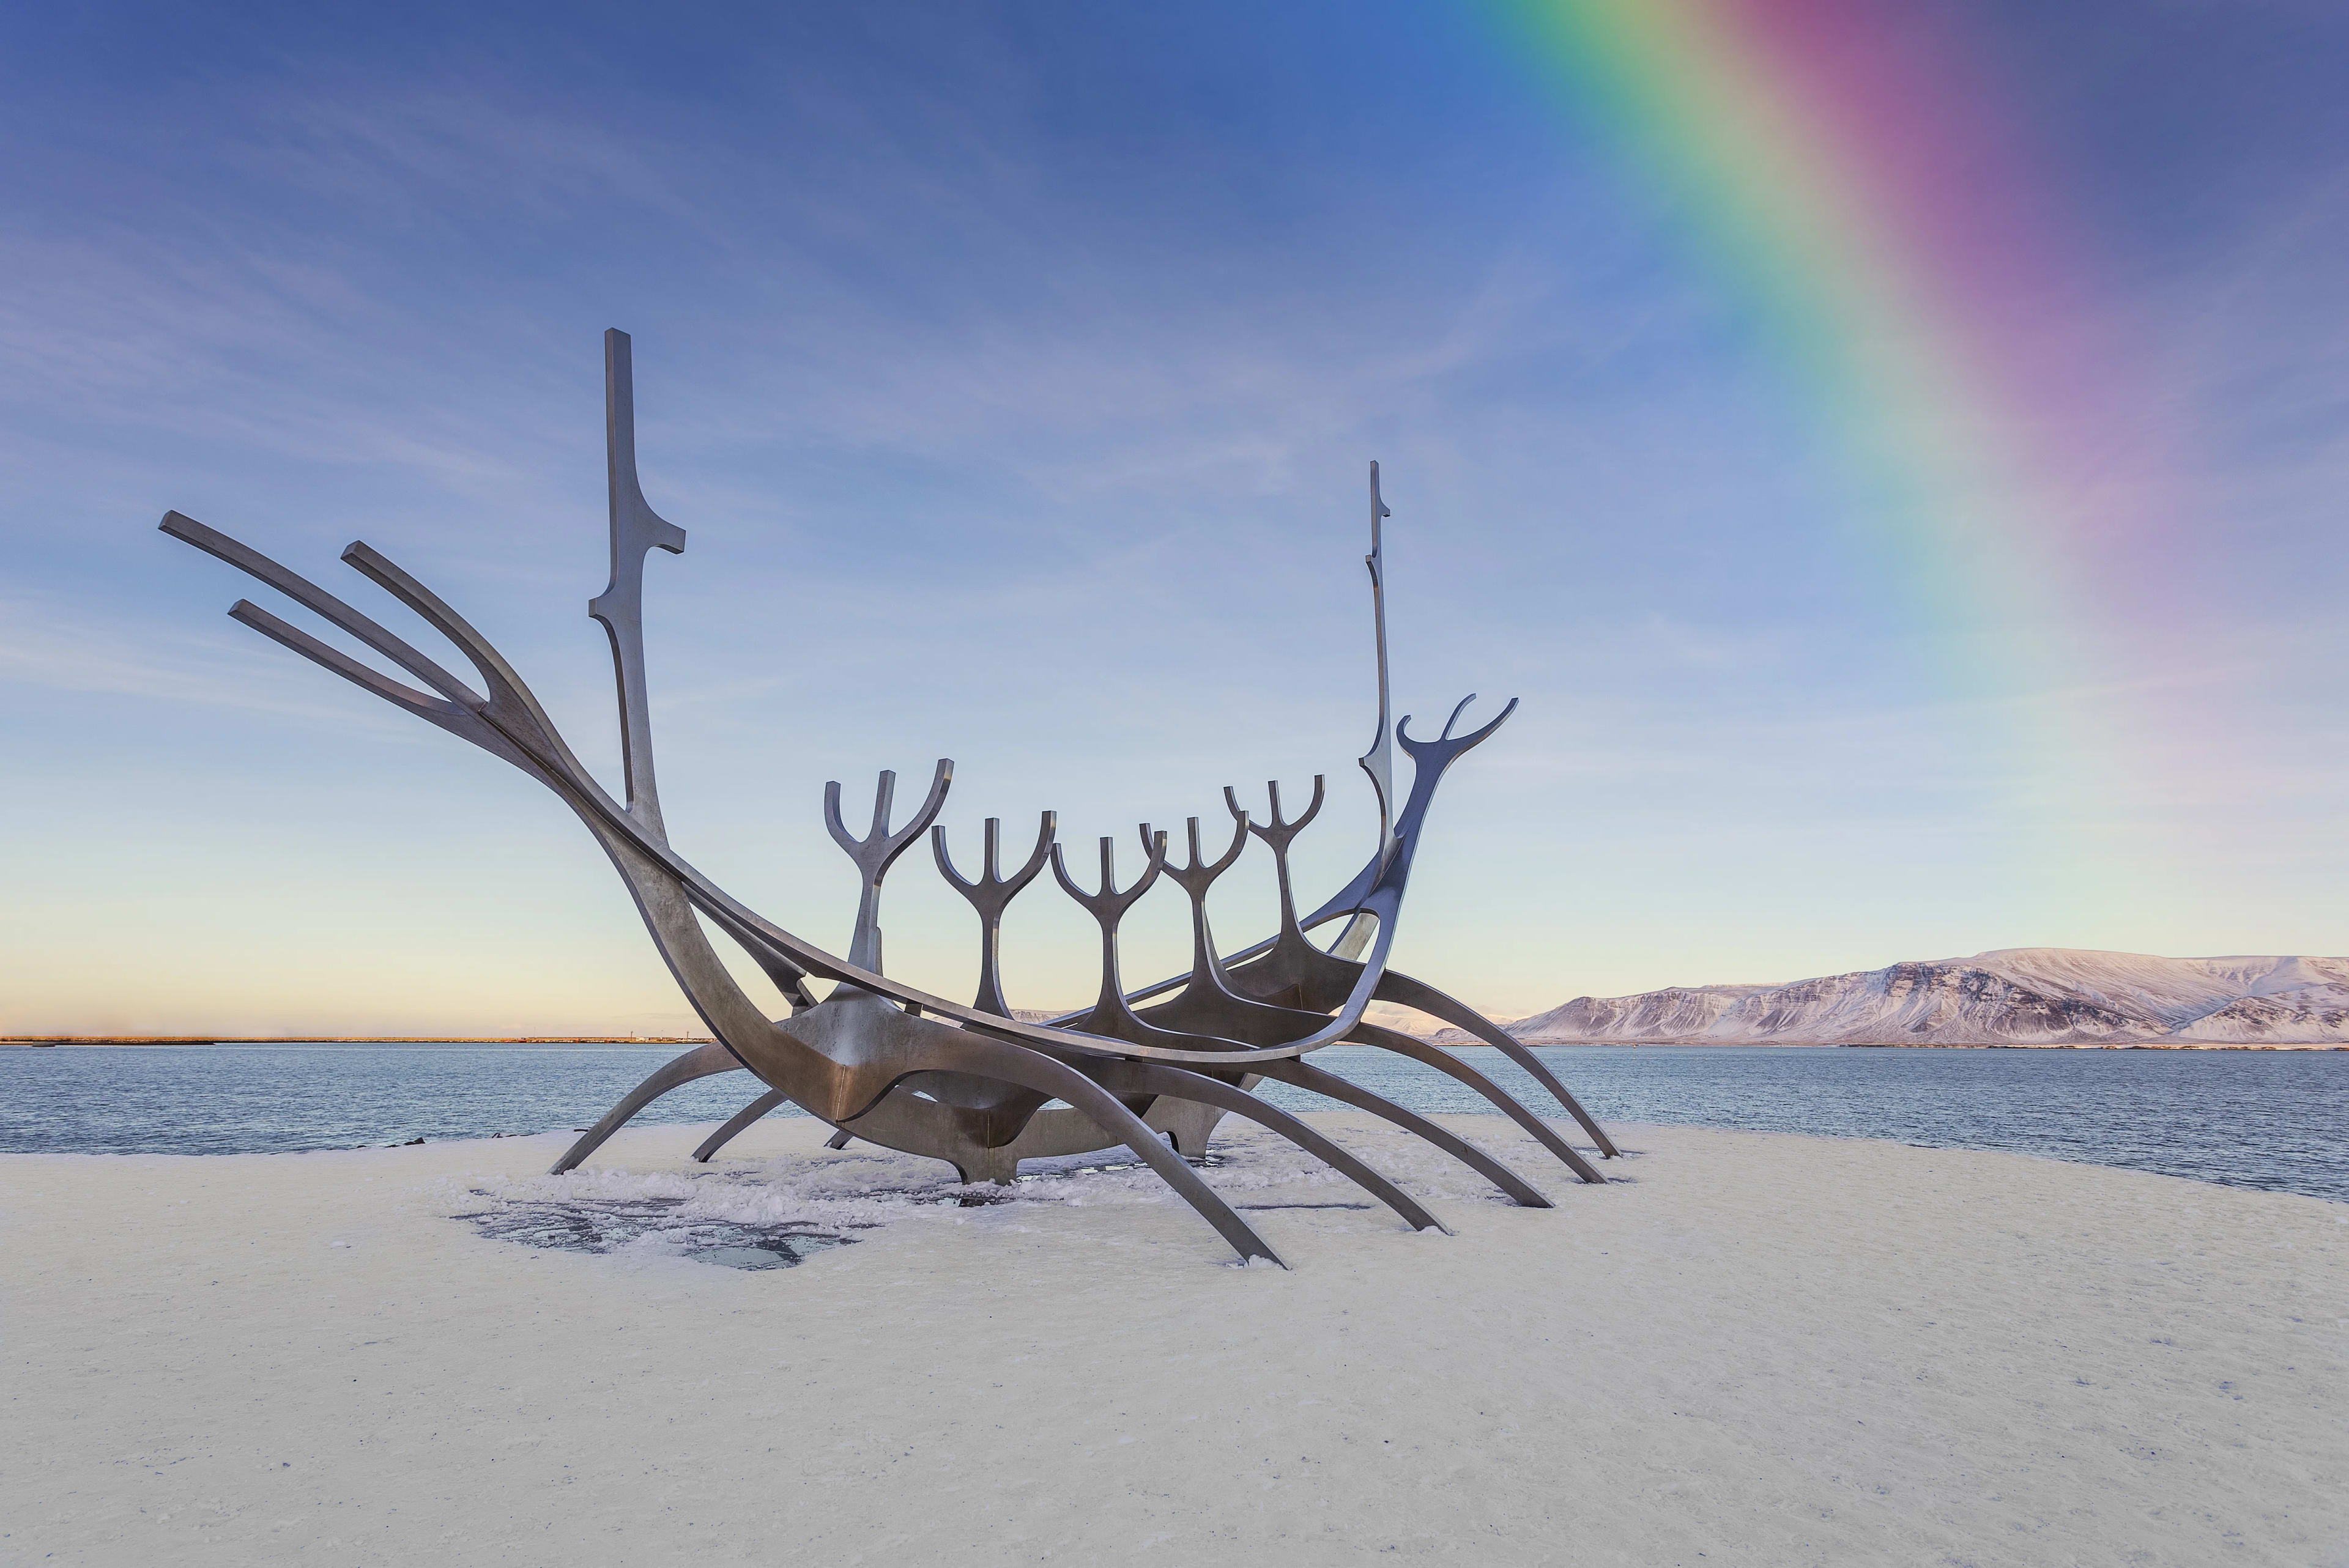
(636, 528)
(1378, 760)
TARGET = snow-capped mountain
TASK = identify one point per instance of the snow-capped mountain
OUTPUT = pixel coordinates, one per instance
(2013, 996)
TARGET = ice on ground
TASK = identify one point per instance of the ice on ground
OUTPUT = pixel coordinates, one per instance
(784, 1208)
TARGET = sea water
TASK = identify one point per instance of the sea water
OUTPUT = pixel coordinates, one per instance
(2274, 1120)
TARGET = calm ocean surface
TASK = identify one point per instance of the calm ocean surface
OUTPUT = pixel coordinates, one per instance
(2276, 1119)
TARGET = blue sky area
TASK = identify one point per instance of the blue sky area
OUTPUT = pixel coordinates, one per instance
(1014, 371)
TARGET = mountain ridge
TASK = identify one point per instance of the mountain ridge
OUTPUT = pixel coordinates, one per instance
(2056, 997)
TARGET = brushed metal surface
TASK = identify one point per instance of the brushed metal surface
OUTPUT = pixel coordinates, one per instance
(972, 1083)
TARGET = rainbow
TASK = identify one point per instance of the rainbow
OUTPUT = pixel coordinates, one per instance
(1841, 162)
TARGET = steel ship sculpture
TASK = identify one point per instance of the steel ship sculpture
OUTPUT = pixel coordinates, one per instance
(1153, 1069)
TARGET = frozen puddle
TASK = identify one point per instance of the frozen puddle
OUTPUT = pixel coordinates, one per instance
(653, 1225)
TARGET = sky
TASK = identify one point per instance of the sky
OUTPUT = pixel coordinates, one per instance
(1895, 454)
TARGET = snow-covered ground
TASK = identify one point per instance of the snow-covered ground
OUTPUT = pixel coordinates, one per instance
(2013, 996)
(1756, 1350)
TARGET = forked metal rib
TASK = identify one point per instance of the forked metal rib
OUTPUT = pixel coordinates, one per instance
(990, 895)
(1110, 1014)
(1278, 834)
(1196, 878)
(875, 852)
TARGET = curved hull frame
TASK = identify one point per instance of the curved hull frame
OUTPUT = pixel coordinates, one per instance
(884, 1061)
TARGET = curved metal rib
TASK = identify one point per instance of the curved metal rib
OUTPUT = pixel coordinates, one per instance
(1174, 1083)
(701, 1062)
(989, 896)
(1312, 1078)
(739, 1123)
(1404, 991)
(1444, 1062)
(995, 1059)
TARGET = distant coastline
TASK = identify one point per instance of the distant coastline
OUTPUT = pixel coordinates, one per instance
(2016, 998)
